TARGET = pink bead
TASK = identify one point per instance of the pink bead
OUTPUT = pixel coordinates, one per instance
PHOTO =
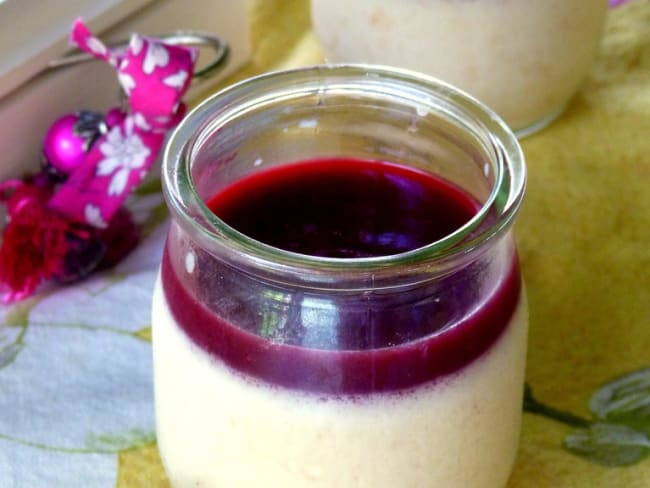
(63, 149)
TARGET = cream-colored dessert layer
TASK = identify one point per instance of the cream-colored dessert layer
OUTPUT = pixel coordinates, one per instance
(523, 58)
(218, 429)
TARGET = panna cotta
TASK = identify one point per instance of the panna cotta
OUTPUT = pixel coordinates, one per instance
(260, 384)
(524, 59)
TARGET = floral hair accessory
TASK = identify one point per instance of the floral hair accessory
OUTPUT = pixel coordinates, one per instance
(69, 219)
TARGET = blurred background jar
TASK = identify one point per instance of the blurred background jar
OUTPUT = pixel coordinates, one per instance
(523, 58)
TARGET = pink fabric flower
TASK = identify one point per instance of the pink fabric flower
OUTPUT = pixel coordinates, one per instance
(155, 77)
(64, 231)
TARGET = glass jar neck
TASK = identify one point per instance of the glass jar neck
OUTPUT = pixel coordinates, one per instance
(428, 120)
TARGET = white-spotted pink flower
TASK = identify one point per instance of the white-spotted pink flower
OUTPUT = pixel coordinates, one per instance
(123, 154)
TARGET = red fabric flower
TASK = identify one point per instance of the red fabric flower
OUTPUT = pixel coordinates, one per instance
(33, 241)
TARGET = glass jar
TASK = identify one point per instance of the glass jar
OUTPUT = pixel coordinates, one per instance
(524, 59)
(275, 368)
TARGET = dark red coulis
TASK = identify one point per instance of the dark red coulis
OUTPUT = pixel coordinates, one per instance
(342, 208)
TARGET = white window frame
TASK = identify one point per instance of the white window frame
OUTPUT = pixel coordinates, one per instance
(34, 32)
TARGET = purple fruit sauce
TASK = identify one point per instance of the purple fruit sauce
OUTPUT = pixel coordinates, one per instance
(335, 343)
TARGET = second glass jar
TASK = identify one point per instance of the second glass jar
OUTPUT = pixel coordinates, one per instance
(524, 59)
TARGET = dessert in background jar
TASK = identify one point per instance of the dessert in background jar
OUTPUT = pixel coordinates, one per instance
(340, 301)
(524, 59)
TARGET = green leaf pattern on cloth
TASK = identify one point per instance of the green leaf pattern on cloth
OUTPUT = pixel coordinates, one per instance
(619, 433)
(608, 444)
(75, 374)
(625, 400)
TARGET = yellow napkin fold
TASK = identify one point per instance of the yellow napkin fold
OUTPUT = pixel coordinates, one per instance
(584, 240)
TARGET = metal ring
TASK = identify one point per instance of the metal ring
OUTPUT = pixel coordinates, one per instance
(180, 38)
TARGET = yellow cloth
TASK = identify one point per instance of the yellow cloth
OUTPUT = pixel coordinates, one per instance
(584, 240)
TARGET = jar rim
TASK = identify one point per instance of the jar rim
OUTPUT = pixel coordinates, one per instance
(217, 237)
